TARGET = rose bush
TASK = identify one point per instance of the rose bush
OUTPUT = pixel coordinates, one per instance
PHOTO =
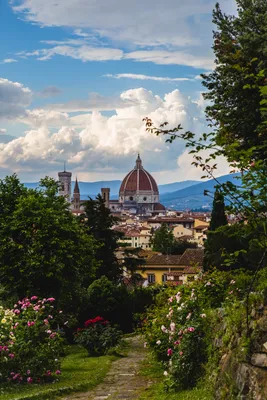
(98, 336)
(29, 344)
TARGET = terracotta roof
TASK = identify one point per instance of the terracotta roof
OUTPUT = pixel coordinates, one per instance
(191, 270)
(160, 259)
(138, 179)
(201, 227)
(175, 273)
(159, 207)
(192, 256)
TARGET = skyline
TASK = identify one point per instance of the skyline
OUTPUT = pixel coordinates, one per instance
(76, 80)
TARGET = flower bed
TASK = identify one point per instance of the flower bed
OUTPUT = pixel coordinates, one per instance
(30, 346)
(98, 336)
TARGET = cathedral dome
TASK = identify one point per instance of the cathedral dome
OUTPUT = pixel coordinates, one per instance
(138, 180)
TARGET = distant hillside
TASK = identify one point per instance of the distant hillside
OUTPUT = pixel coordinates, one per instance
(193, 196)
(190, 194)
(93, 188)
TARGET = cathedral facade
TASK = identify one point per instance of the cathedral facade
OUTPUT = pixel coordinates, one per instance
(138, 194)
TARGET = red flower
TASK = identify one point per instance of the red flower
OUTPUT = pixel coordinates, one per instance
(96, 320)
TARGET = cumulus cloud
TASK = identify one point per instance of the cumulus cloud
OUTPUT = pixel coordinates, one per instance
(14, 98)
(104, 147)
(146, 77)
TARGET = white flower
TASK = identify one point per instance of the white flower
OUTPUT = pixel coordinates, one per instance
(164, 329)
(158, 342)
(203, 315)
(189, 316)
(145, 344)
(165, 373)
(172, 326)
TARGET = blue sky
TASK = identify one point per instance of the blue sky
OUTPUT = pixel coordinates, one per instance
(77, 77)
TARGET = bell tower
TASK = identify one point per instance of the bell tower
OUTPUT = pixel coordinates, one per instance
(105, 194)
(64, 178)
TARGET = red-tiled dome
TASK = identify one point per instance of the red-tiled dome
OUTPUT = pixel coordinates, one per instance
(139, 179)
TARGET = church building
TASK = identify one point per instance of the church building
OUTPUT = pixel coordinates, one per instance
(138, 194)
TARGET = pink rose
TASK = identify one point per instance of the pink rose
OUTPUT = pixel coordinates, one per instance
(181, 353)
(34, 298)
(191, 329)
(29, 380)
(51, 299)
(170, 352)
(11, 355)
(58, 372)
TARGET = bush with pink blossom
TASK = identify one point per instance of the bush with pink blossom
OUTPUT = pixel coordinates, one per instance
(30, 346)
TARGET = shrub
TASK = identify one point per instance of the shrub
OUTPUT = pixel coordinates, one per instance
(98, 336)
(29, 345)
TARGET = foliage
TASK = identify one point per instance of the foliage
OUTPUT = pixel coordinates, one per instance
(117, 303)
(163, 240)
(43, 247)
(132, 261)
(98, 336)
(218, 217)
(76, 368)
(157, 391)
(179, 327)
(98, 221)
(30, 347)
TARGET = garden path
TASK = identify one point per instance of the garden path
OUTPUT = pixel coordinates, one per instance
(123, 381)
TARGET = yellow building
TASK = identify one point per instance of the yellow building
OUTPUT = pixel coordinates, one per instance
(159, 268)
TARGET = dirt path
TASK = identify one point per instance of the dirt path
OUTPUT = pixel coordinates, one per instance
(122, 381)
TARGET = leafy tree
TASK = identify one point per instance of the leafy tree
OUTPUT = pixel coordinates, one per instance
(238, 83)
(98, 222)
(180, 245)
(132, 261)
(163, 240)
(218, 217)
(43, 250)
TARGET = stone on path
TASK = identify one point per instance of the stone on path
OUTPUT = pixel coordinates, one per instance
(123, 380)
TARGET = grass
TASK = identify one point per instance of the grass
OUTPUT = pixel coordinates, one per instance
(154, 371)
(79, 373)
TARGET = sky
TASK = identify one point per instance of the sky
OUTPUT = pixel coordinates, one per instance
(77, 77)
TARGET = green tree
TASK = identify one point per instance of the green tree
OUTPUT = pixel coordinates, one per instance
(218, 216)
(132, 261)
(238, 82)
(43, 250)
(180, 245)
(98, 222)
(163, 240)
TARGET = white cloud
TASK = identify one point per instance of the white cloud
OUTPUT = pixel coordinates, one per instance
(9, 61)
(146, 77)
(3, 130)
(98, 146)
(165, 57)
(79, 32)
(14, 98)
(84, 53)
(141, 22)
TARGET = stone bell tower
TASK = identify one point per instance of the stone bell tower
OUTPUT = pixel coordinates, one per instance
(64, 178)
(105, 194)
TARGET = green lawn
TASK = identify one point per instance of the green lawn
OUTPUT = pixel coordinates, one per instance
(154, 371)
(79, 373)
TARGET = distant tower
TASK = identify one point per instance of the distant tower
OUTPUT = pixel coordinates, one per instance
(76, 196)
(105, 193)
(65, 183)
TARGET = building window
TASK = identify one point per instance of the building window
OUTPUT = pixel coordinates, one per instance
(144, 198)
(164, 278)
(151, 278)
(131, 198)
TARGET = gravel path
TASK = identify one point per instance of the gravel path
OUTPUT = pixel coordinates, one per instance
(122, 381)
